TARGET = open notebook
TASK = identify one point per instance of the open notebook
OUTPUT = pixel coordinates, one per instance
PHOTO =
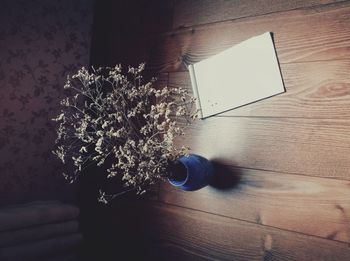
(242, 74)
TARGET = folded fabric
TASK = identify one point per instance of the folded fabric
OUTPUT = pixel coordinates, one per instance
(32, 203)
(35, 213)
(40, 232)
(74, 256)
(40, 249)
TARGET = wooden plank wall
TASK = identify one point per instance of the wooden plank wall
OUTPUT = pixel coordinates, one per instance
(283, 190)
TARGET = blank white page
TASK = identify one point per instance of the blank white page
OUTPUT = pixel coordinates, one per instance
(242, 74)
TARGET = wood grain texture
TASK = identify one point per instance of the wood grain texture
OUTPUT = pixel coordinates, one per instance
(184, 234)
(195, 12)
(313, 90)
(313, 206)
(320, 33)
(303, 146)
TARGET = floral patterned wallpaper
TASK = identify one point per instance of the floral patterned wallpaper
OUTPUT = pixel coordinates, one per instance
(40, 43)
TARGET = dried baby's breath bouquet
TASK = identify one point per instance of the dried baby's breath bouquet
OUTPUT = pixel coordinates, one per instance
(112, 116)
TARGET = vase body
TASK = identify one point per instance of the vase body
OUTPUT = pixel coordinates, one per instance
(199, 173)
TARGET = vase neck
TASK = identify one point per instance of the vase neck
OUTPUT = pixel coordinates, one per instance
(178, 171)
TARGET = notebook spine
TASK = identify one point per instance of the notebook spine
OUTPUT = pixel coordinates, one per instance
(195, 90)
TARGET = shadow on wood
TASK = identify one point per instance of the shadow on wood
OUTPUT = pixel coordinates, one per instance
(225, 177)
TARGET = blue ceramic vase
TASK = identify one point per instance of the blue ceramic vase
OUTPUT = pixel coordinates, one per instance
(199, 173)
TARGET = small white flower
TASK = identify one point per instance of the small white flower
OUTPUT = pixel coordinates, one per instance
(83, 149)
(104, 125)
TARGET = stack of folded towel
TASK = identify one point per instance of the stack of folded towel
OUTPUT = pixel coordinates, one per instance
(39, 231)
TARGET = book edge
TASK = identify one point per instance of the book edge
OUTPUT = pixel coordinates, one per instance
(195, 90)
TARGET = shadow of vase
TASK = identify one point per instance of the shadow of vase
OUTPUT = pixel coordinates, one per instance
(225, 177)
